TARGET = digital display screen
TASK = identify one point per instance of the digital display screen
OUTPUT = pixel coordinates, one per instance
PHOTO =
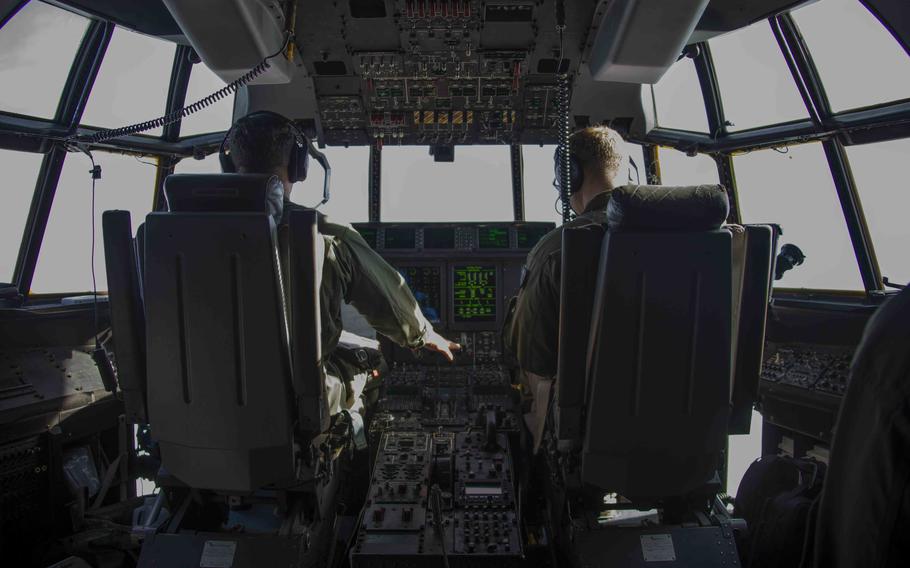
(369, 234)
(493, 237)
(425, 283)
(400, 238)
(482, 489)
(529, 236)
(474, 293)
(439, 238)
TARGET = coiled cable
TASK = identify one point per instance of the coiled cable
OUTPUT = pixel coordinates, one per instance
(186, 110)
(562, 117)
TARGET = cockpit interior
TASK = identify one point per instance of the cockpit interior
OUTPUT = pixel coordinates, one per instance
(730, 378)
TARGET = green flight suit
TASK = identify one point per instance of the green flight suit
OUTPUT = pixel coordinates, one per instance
(354, 273)
(531, 330)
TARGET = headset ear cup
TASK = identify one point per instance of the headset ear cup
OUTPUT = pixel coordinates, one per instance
(576, 173)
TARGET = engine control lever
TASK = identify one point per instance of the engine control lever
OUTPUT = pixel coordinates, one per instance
(492, 429)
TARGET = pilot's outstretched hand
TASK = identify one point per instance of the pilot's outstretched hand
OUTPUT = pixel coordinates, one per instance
(435, 342)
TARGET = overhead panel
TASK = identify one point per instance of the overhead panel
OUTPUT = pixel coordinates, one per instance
(437, 72)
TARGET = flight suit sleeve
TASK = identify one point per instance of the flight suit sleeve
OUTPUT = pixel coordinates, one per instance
(532, 332)
(379, 292)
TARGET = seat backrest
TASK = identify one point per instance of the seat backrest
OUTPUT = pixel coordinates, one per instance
(222, 402)
(127, 312)
(659, 353)
(749, 319)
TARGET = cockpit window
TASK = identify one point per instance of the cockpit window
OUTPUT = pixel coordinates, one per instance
(676, 168)
(541, 201)
(477, 186)
(214, 118)
(349, 201)
(678, 99)
(756, 86)
(37, 47)
(132, 83)
(208, 165)
(878, 171)
(793, 187)
(64, 263)
(859, 62)
(20, 170)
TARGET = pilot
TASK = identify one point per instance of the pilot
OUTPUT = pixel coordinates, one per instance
(532, 325)
(864, 512)
(352, 272)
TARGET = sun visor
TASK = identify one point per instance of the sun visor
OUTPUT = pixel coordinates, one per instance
(233, 36)
(636, 41)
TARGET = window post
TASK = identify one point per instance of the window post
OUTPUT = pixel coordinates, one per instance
(853, 213)
(75, 95)
(518, 186)
(707, 78)
(374, 182)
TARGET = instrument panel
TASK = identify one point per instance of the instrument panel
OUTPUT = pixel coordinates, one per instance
(443, 483)
(490, 238)
(461, 274)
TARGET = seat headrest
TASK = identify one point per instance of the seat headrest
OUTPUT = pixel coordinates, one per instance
(249, 193)
(667, 208)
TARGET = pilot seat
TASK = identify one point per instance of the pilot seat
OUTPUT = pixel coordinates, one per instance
(661, 331)
(233, 387)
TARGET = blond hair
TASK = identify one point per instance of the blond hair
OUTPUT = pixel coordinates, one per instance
(598, 147)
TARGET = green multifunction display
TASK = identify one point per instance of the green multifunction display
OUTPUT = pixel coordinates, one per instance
(493, 237)
(474, 293)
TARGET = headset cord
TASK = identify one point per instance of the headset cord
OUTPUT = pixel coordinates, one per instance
(180, 113)
(96, 175)
(562, 120)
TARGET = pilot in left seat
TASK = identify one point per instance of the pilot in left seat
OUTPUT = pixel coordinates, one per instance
(268, 143)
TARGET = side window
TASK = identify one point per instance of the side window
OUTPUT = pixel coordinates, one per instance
(20, 170)
(37, 47)
(859, 61)
(886, 200)
(213, 118)
(678, 100)
(132, 83)
(65, 260)
(756, 86)
(208, 165)
(793, 188)
(477, 186)
(676, 168)
(349, 202)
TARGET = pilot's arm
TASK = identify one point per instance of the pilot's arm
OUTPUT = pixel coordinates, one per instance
(380, 294)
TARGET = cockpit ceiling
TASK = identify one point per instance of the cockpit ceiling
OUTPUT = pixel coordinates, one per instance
(432, 71)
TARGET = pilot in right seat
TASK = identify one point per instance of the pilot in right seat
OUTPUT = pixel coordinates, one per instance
(262, 143)
(531, 329)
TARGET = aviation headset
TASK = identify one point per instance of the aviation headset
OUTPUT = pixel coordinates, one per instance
(576, 172)
(299, 160)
